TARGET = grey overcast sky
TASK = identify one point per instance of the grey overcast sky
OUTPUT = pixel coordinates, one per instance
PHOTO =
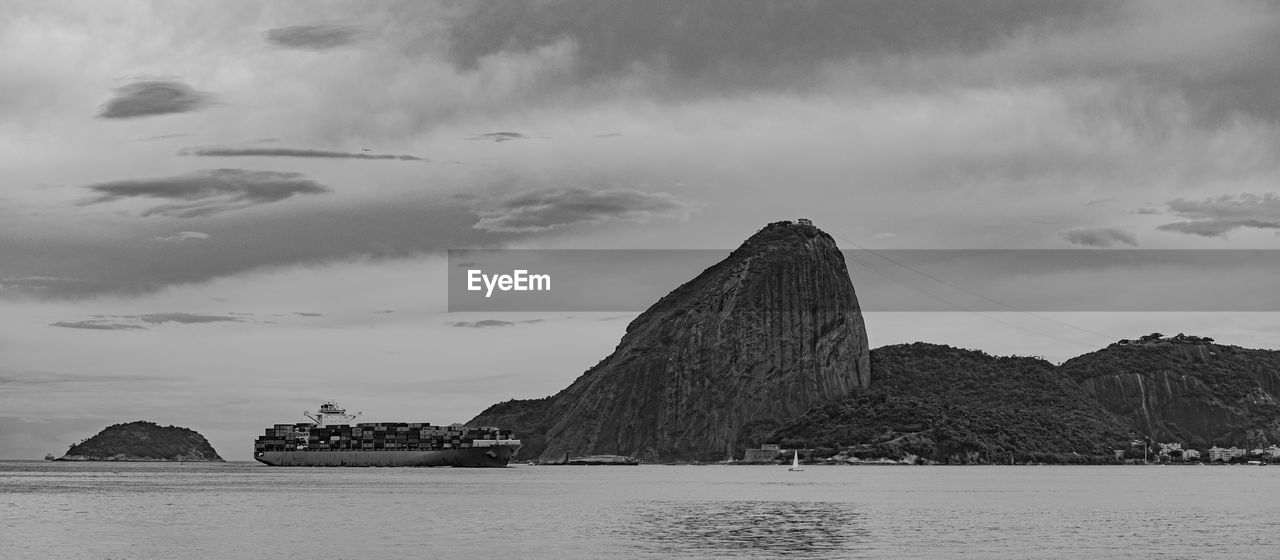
(217, 214)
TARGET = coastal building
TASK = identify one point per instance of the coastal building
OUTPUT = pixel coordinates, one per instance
(1273, 452)
(1190, 454)
(1167, 448)
(759, 456)
(1220, 454)
(766, 454)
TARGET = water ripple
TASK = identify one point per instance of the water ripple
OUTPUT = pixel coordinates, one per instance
(743, 529)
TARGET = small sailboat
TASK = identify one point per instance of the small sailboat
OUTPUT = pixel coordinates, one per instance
(795, 463)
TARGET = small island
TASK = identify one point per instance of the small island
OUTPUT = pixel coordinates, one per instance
(143, 441)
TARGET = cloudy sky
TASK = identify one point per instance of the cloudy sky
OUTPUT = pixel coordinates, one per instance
(217, 214)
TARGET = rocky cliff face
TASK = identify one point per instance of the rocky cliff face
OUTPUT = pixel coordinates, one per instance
(1199, 394)
(757, 339)
(143, 441)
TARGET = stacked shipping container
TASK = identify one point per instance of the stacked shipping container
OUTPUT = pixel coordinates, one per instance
(374, 436)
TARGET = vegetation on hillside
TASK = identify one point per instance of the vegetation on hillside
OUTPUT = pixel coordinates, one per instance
(145, 440)
(951, 405)
(1227, 369)
(1231, 395)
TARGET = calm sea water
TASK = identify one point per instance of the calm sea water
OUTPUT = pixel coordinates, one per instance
(242, 510)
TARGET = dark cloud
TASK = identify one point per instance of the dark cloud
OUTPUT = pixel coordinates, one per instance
(313, 37)
(183, 318)
(1216, 228)
(209, 192)
(49, 260)
(163, 137)
(1099, 236)
(551, 209)
(35, 283)
(158, 97)
(181, 236)
(1242, 206)
(138, 322)
(1247, 89)
(500, 136)
(1216, 217)
(488, 323)
(95, 324)
(305, 314)
(1146, 211)
(743, 40)
(677, 48)
(39, 378)
(293, 152)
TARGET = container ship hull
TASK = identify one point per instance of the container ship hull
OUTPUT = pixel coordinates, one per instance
(492, 456)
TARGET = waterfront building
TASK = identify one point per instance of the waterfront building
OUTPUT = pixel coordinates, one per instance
(766, 454)
(1220, 454)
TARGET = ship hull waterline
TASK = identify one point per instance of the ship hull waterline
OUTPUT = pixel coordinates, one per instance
(474, 457)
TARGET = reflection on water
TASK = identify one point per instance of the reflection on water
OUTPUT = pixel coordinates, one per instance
(741, 528)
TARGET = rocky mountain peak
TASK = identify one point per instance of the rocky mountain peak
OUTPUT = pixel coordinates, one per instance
(760, 337)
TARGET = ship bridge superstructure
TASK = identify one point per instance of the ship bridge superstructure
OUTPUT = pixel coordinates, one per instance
(330, 414)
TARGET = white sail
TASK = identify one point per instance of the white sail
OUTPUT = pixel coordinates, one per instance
(795, 462)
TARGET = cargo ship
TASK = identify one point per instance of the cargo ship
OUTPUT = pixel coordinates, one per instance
(330, 439)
